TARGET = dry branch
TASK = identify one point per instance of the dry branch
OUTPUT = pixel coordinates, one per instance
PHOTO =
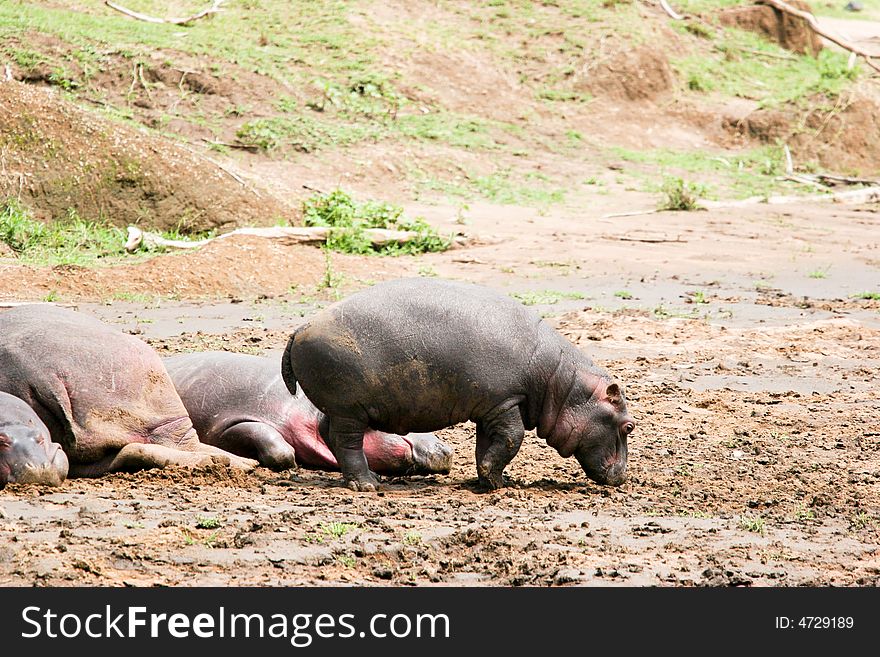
(674, 15)
(213, 9)
(647, 240)
(814, 25)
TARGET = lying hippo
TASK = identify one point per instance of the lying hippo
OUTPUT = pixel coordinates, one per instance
(239, 403)
(422, 354)
(27, 453)
(104, 395)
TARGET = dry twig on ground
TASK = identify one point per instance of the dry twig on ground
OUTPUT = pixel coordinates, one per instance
(213, 9)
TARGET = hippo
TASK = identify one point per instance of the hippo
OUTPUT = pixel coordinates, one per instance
(421, 354)
(239, 403)
(27, 453)
(104, 395)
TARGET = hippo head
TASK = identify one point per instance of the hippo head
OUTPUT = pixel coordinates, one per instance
(596, 433)
(28, 456)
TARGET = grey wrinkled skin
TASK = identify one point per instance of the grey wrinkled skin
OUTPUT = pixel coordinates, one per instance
(423, 354)
(239, 403)
(104, 395)
(27, 453)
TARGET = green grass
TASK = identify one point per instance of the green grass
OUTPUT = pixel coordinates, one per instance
(869, 296)
(818, 273)
(746, 65)
(337, 529)
(340, 210)
(70, 241)
(205, 522)
(752, 524)
(749, 173)
(623, 294)
(680, 195)
(505, 187)
(544, 297)
(262, 35)
(304, 133)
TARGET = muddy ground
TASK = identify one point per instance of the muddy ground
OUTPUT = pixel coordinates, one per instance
(751, 367)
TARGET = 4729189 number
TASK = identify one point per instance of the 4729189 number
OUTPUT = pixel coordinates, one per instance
(815, 622)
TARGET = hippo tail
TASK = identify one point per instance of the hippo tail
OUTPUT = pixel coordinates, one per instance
(287, 374)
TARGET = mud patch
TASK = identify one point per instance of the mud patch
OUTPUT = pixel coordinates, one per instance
(788, 31)
(629, 74)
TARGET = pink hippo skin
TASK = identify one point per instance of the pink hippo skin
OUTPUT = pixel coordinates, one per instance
(240, 403)
(104, 396)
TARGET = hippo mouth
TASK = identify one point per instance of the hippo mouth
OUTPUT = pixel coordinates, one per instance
(608, 469)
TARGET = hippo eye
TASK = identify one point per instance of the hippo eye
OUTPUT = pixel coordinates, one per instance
(628, 428)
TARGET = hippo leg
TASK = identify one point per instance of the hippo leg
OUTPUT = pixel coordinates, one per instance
(414, 453)
(144, 456)
(347, 443)
(498, 441)
(259, 440)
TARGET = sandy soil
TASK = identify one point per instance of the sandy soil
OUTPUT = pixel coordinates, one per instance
(753, 380)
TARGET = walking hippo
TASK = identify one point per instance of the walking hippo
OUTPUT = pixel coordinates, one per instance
(104, 395)
(239, 403)
(27, 453)
(421, 354)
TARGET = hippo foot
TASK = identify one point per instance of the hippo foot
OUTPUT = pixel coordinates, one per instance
(210, 455)
(368, 483)
(491, 481)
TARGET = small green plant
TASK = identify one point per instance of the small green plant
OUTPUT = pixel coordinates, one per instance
(347, 561)
(752, 524)
(698, 297)
(428, 271)
(337, 529)
(819, 273)
(351, 219)
(544, 297)
(860, 520)
(205, 522)
(51, 297)
(803, 514)
(332, 279)
(623, 294)
(867, 296)
(680, 195)
(412, 538)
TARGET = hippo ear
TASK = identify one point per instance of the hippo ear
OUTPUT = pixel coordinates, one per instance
(612, 392)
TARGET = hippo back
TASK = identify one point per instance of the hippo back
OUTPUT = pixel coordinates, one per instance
(95, 387)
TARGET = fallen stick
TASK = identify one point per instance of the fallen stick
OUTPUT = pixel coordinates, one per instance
(804, 180)
(213, 9)
(633, 213)
(646, 240)
(846, 179)
(6, 305)
(298, 234)
(854, 196)
(814, 25)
